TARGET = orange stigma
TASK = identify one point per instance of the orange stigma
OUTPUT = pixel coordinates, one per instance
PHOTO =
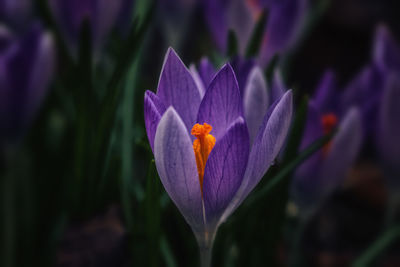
(329, 122)
(202, 147)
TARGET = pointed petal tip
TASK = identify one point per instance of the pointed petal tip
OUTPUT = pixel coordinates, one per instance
(227, 67)
(288, 96)
(148, 94)
(170, 112)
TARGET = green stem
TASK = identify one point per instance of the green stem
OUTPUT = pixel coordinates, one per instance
(206, 241)
(205, 256)
(378, 247)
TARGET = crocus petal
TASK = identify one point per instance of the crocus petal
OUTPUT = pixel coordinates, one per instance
(305, 186)
(207, 71)
(42, 72)
(266, 147)
(153, 110)
(326, 99)
(176, 166)
(197, 79)
(241, 21)
(386, 51)
(364, 92)
(6, 38)
(269, 141)
(17, 64)
(178, 89)
(389, 124)
(255, 101)
(222, 103)
(343, 152)
(312, 131)
(216, 18)
(242, 68)
(224, 170)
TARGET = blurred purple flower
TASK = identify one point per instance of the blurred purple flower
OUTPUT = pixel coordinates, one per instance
(209, 177)
(101, 14)
(324, 171)
(286, 18)
(15, 12)
(366, 89)
(26, 67)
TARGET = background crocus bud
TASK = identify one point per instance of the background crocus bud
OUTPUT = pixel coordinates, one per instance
(102, 16)
(26, 67)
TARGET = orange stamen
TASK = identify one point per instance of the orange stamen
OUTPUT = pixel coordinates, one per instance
(202, 147)
(329, 122)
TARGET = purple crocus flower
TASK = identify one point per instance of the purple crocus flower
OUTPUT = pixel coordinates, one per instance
(101, 14)
(286, 19)
(26, 67)
(324, 171)
(202, 144)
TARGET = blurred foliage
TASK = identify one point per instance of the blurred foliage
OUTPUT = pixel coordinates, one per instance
(87, 151)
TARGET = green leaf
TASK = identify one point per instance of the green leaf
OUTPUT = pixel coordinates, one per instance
(153, 211)
(254, 44)
(85, 71)
(296, 132)
(379, 246)
(110, 102)
(166, 251)
(127, 177)
(142, 9)
(84, 105)
(269, 71)
(232, 44)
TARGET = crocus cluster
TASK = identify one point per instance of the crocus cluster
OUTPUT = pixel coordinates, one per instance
(212, 146)
(326, 170)
(285, 21)
(26, 67)
(375, 90)
(102, 16)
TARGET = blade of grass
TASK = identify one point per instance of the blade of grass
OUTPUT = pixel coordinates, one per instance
(167, 253)
(232, 48)
(127, 143)
(153, 210)
(111, 99)
(378, 247)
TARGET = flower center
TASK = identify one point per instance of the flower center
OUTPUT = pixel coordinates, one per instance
(329, 122)
(202, 147)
